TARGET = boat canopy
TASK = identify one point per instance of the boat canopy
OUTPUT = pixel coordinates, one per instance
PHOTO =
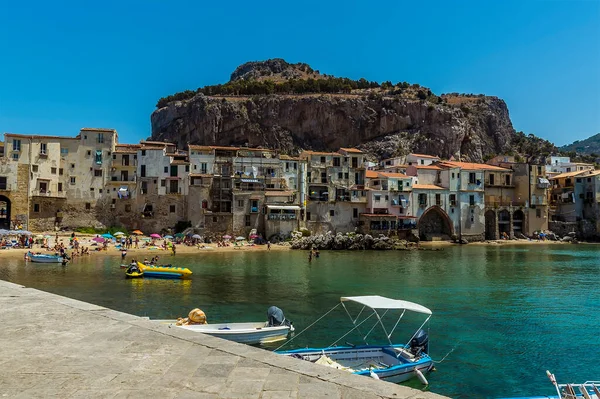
(380, 302)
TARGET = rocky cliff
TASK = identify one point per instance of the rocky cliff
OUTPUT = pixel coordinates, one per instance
(385, 120)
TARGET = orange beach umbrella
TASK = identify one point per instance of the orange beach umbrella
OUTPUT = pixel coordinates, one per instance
(141, 233)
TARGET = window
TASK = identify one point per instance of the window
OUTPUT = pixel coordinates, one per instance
(36, 208)
(89, 153)
(422, 199)
(64, 152)
(98, 157)
(307, 215)
(195, 167)
(2, 182)
(331, 213)
(166, 169)
(471, 200)
(60, 187)
(322, 159)
(72, 166)
(254, 206)
(143, 153)
(172, 208)
(422, 162)
(53, 171)
(387, 197)
(163, 183)
(43, 149)
(114, 201)
(34, 168)
(453, 175)
(247, 220)
(100, 138)
(471, 178)
(203, 168)
(114, 156)
(240, 203)
(72, 179)
(91, 189)
(16, 145)
(100, 191)
(215, 219)
(340, 174)
(438, 199)
(143, 171)
(43, 187)
(88, 206)
(97, 172)
(15, 157)
(452, 199)
(354, 213)
(377, 197)
(492, 177)
(60, 171)
(336, 161)
(187, 168)
(85, 137)
(346, 175)
(589, 179)
(204, 204)
(538, 213)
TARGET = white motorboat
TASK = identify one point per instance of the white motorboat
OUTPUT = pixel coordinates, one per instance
(587, 390)
(46, 258)
(388, 361)
(275, 329)
(245, 333)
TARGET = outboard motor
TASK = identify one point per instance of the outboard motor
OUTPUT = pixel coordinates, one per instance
(276, 318)
(420, 343)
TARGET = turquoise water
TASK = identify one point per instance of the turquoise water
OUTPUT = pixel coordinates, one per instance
(508, 313)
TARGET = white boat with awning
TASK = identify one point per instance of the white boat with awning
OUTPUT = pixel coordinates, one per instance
(387, 361)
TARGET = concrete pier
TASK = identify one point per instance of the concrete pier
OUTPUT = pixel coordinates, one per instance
(52, 346)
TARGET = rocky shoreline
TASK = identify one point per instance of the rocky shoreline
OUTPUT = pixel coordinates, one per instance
(350, 241)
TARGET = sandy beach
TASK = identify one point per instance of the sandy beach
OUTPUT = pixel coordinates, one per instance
(86, 241)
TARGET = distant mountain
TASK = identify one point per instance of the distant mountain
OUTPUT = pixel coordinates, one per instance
(591, 145)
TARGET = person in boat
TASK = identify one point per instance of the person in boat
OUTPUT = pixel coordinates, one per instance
(133, 268)
(146, 261)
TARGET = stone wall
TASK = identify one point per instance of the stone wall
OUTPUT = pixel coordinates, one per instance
(44, 212)
(585, 229)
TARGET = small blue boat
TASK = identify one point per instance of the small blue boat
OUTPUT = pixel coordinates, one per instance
(45, 258)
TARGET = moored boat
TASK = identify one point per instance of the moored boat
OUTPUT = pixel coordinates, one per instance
(275, 329)
(163, 271)
(134, 274)
(389, 361)
(46, 258)
(587, 390)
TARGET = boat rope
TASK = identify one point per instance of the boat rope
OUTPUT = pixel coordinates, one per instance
(444, 358)
(300, 333)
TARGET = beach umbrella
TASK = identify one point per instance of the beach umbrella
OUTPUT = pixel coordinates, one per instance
(108, 235)
(196, 236)
(137, 232)
(47, 236)
(253, 236)
(169, 237)
(146, 239)
(119, 233)
(4, 232)
(227, 236)
(179, 235)
(27, 233)
(154, 235)
(240, 238)
(98, 239)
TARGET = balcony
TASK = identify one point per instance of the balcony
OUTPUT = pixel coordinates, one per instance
(48, 193)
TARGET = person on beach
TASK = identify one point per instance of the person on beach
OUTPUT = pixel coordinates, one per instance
(123, 254)
(173, 250)
(268, 245)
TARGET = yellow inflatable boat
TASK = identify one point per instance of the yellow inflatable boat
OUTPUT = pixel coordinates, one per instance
(162, 271)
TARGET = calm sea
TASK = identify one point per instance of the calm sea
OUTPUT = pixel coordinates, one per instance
(502, 315)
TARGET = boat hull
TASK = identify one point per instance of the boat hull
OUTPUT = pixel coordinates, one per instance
(171, 272)
(244, 333)
(45, 258)
(383, 361)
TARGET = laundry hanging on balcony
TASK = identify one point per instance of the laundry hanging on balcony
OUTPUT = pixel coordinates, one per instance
(99, 157)
(123, 193)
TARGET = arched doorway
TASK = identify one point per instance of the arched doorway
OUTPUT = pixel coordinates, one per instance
(490, 225)
(435, 223)
(4, 212)
(518, 219)
(504, 222)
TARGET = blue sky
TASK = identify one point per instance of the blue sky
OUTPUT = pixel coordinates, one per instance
(72, 64)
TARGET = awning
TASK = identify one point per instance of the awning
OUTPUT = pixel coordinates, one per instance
(379, 302)
(541, 180)
(287, 207)
(123, 189)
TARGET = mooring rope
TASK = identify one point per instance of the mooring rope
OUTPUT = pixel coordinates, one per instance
(297, 335)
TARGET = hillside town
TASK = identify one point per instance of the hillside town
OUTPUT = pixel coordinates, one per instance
(65, 183)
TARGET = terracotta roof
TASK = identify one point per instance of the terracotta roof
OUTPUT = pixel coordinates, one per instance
(424, 156)
(371, 174)
(306, 153)
(142, 142)
(216, 147)
(199, 147)
(471, 166)
(427, 187)
(35, 136)
(594, 173)
(394, 175)
(97, 129)
(352, 150)
(434, 167)
(125, 152)
(278, 193)
(288, 158)
(568, 174)
(179, 162)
